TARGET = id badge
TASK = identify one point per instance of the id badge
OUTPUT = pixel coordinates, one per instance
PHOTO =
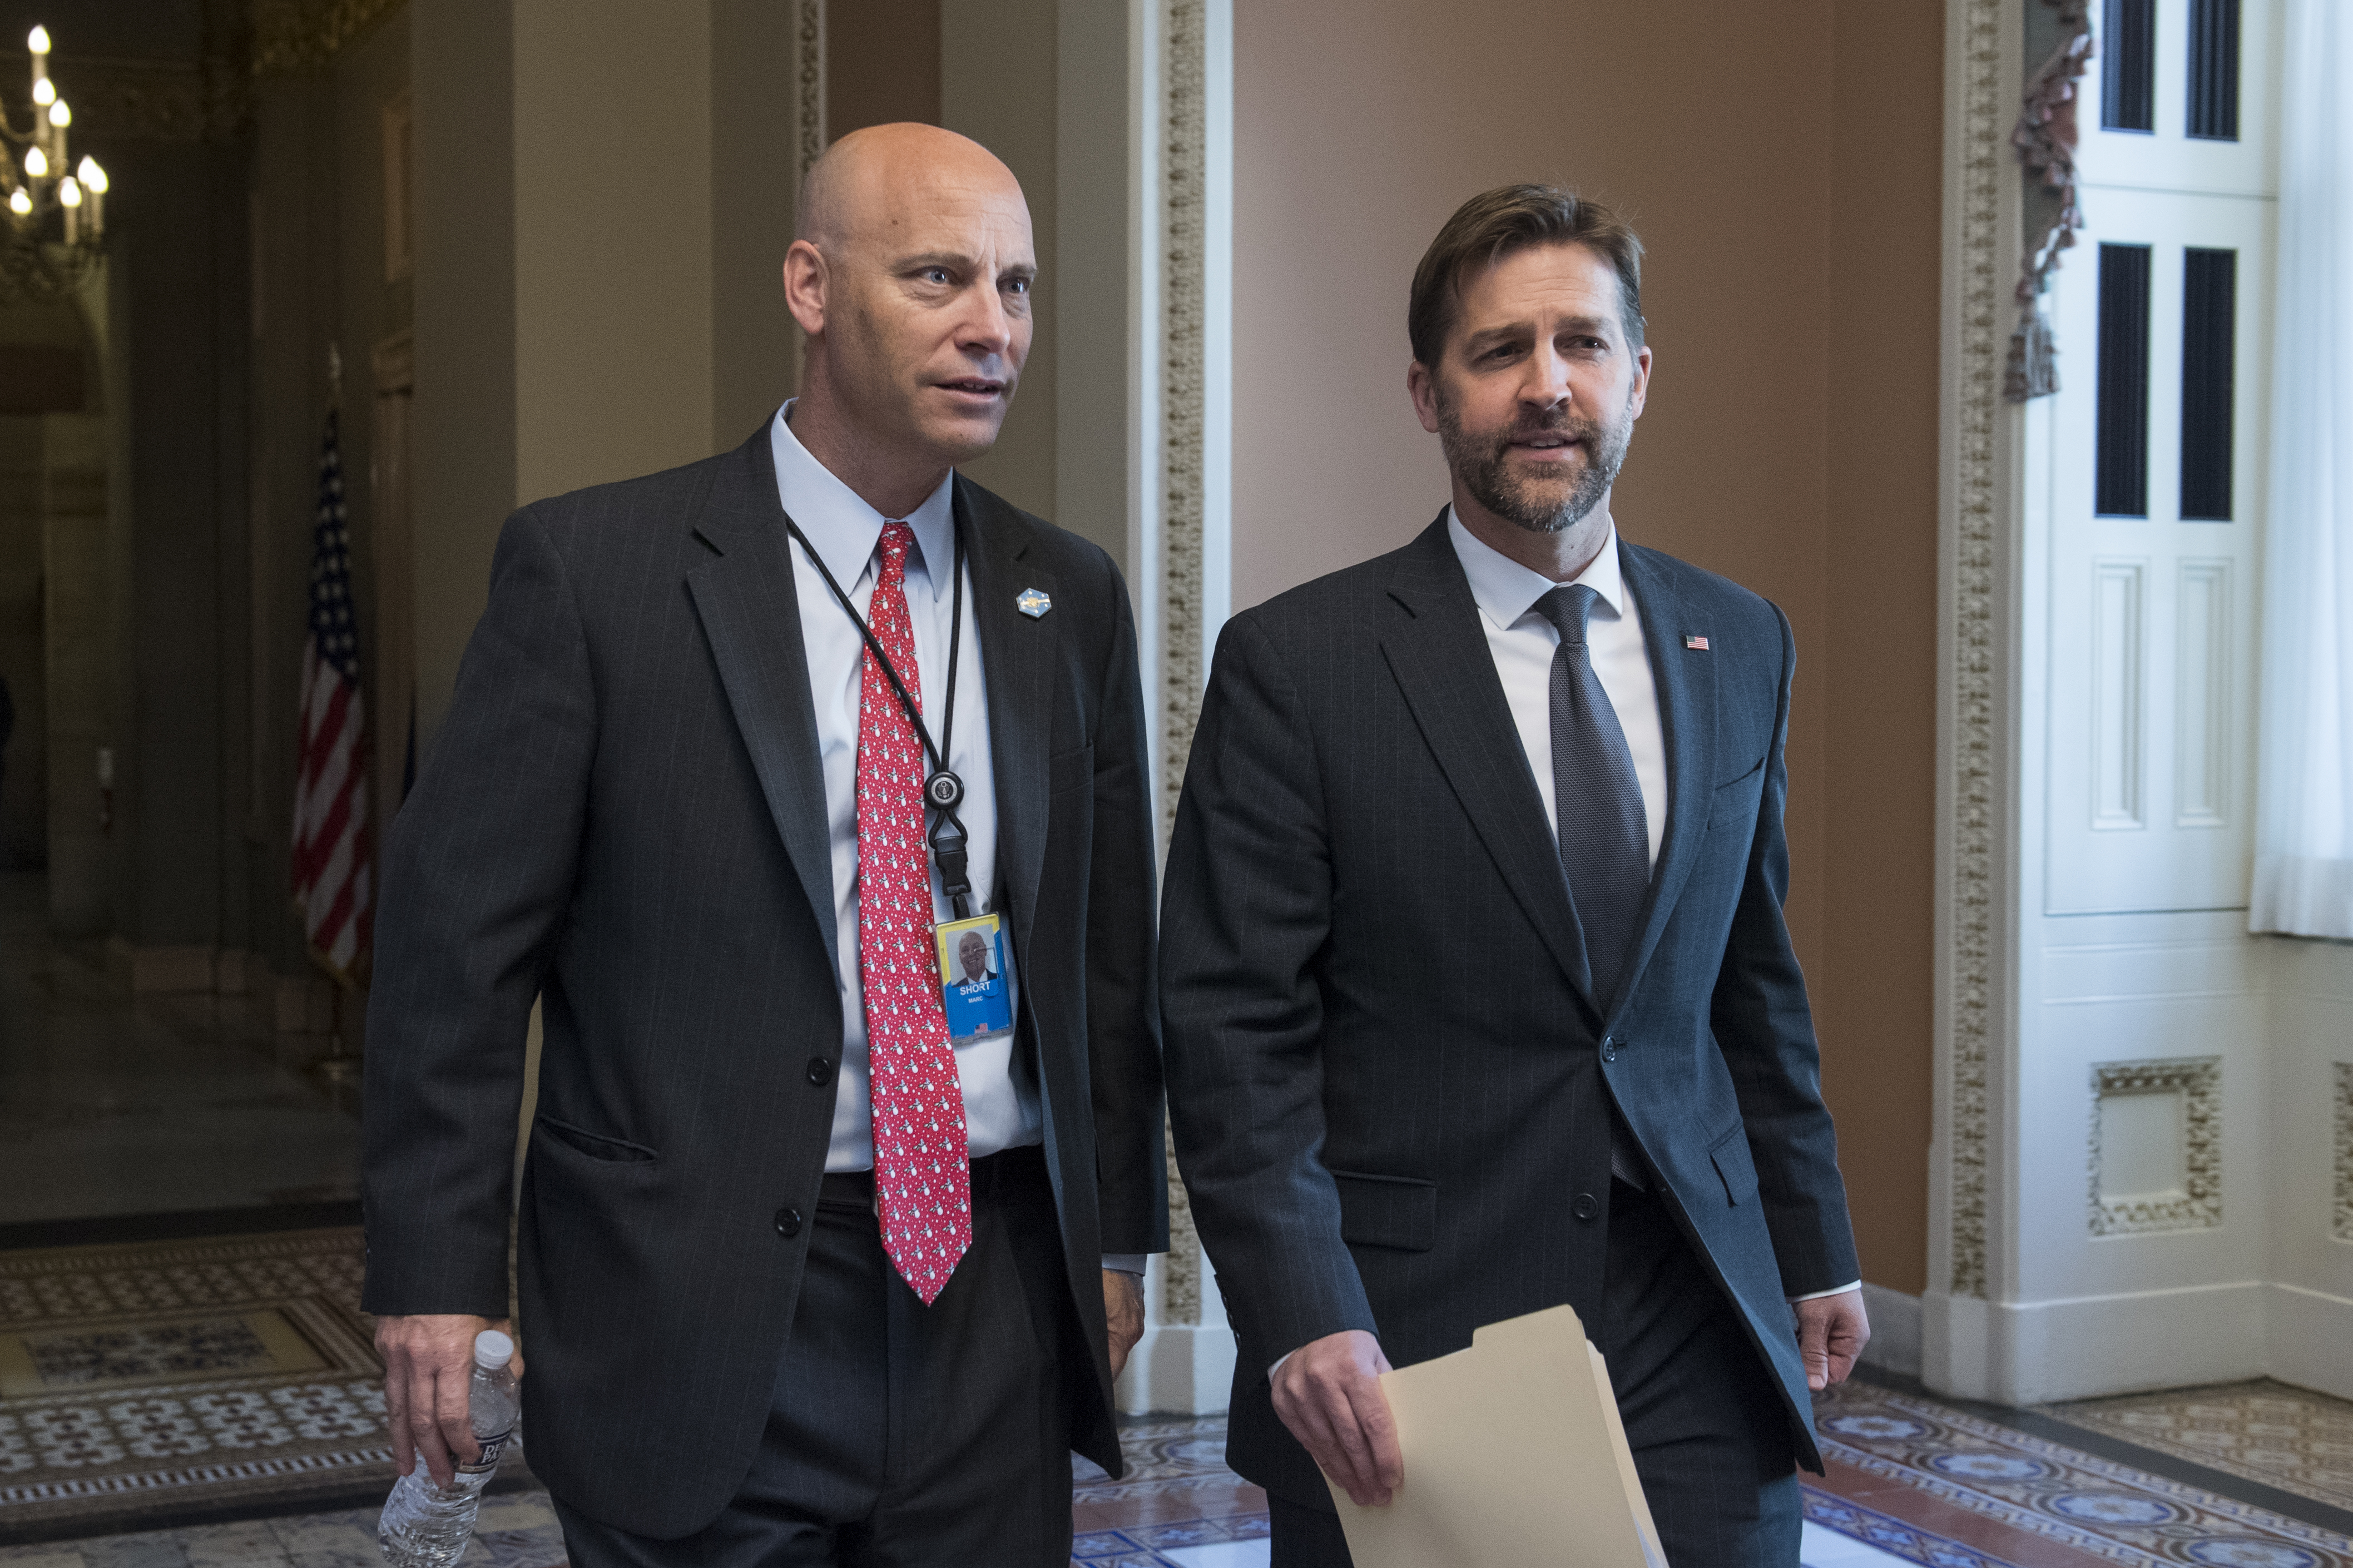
(972, 977)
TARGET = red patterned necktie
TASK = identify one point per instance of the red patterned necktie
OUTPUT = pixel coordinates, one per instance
(922, 1179)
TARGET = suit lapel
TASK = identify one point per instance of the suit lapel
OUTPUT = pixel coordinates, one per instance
(1018, 663)
(751, 613)
(1686, 679)
(1443, 666)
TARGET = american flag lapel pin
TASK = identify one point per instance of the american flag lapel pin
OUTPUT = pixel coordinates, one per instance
(1697, 645)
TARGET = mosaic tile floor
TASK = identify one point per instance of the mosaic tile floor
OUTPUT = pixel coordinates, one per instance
(1912, 1482)
(1935, 1485)
(157, 1379)
(2264, 1432)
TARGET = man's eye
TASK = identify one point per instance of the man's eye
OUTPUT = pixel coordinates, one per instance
(1018, 285)
(935, 275)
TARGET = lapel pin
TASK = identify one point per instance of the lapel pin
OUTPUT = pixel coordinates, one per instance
(1697, 645)
(1032, 602)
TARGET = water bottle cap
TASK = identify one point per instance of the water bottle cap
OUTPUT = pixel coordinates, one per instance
(492, 1349)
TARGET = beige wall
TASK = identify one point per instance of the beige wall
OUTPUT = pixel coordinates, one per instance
(1781, 164)
(997, 86)
(596, 291)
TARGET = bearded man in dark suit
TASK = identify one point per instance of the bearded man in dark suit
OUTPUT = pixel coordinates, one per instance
(1477, 993)
(803, 1280)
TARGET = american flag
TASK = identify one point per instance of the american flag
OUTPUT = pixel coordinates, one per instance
(332, 889)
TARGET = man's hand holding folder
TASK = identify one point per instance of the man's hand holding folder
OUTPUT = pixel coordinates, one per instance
(1328, 1391)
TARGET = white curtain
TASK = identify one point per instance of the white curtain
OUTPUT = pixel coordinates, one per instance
(2304, 808)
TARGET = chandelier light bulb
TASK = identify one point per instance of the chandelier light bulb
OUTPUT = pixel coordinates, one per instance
(38, 40)
(36, 164)
(19, 203)
(60, 115)
(45, 92)
(70, 191)
(93, 178)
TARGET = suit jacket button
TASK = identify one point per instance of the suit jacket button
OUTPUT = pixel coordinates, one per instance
(788, 1223)
(1584, 1206)
(820, 1072)
(1609, 1049)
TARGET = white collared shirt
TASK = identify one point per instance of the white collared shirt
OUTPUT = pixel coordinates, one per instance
(1000, 1099)
(1523, 643)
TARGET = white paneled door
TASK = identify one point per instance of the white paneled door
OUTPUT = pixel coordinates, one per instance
(2157, 440)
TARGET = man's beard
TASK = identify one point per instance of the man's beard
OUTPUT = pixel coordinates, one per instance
(1483, 464)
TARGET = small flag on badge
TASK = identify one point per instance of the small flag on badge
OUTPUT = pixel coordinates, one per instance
(1697, 644)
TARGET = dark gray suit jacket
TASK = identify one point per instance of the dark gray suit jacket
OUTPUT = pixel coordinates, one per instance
(624, 816)
(1388, 1074)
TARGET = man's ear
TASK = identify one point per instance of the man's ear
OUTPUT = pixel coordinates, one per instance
(806, 286)
(1421, 385)
(1641, 393)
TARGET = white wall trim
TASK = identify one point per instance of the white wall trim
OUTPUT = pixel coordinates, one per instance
(1896, 1325)
(2306, 1334)
(2032, 1352)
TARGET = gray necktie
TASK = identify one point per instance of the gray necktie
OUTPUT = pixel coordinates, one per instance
(1605, 839)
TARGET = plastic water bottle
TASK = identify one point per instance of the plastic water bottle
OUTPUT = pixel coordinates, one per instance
(427, 1526)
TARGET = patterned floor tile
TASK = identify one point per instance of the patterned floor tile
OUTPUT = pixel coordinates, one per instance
(2266, 1432)
(245, 1545)
(2023, 1497)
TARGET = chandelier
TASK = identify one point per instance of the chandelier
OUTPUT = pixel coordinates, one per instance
(54, 233)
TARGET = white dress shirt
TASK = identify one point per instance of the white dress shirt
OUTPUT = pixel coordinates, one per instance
(1000, 1099)
(1001, 1108)
(1523, 643)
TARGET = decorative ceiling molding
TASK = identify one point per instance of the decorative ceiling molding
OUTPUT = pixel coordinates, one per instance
(145, 100)
(291, 37)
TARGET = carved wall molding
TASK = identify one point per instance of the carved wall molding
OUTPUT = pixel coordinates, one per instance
(2341, 1226)
(1184, 165)
(2199, 1206)
(809, 45)
(139, 99)
(291, 36)
(1984, 320)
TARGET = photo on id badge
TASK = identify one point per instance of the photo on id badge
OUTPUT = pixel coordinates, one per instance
(972, 977)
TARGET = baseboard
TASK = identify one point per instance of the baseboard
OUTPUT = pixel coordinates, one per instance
(1180, 1369)
(1895, 1320)
(2306, 1334)
(2032, 1352)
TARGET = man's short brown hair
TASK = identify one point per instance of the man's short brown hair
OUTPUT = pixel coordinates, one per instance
(1492, 226)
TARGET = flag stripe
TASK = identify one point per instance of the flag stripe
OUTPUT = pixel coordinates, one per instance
(333, 882)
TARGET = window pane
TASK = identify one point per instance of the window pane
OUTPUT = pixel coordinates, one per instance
(2210, 308)
(2121, 472)
(2128, 46)
(2214, 70)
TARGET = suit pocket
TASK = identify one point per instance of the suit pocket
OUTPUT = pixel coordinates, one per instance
(1387, 1211)
(1734, 1164)
(595, 1145)
(1735, 800)
(1072, 770)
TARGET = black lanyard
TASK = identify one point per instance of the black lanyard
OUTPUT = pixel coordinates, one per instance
(943, 791)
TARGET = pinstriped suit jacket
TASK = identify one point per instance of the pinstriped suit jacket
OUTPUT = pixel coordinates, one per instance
(624, 815)
(1387, 1068)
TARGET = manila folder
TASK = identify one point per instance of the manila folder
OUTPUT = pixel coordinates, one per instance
(1514, 1455)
